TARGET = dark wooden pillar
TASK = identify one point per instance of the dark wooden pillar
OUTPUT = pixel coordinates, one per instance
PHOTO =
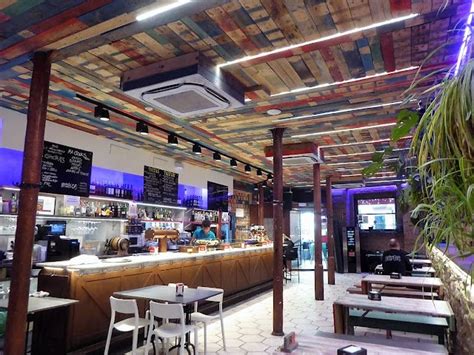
(277, 231)
(318, 247)
(25, 229)
(330, 219)
(261, 205)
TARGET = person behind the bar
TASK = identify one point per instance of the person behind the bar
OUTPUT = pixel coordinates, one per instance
(396, 260)
(205, 232)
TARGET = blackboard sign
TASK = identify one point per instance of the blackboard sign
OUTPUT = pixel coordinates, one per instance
(160, 186)
(65, 170)
(217, 197)
(351, 249)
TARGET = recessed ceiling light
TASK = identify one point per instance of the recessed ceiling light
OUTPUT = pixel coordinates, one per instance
(161, 9)
(148, 108)
(322, 39)
(273, 112)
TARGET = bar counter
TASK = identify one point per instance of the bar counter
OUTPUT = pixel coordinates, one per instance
(233, 270)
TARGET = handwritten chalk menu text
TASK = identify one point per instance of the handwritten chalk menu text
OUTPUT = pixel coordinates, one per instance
(65, 170)
(160, 186)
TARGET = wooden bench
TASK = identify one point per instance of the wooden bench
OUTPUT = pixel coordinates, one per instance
(398, 292)
(400, 322)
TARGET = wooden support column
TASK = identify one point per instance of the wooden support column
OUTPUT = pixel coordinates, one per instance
(277, 231)
(330, 219)
(318, 247)
(261, 205)
(30, 183)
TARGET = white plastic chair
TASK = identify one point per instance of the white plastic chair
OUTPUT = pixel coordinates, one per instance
(127, 325)
(205, 319)
(168, 330)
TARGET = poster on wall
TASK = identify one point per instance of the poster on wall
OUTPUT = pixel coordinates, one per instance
(217, 197)
(160, 186)
(65, 170)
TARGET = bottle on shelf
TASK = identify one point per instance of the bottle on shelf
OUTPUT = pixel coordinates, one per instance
(13, 204)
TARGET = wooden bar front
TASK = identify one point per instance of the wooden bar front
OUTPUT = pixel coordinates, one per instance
(89, 319)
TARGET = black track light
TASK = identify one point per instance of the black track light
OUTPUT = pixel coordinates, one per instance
(142, 128)
(172, 139)
(270, 176)
(259, 172)
(248, 169)
(101, 113)
(264, 184)
(255, 187)
(233, 163)
(216, 156)
(197, 149)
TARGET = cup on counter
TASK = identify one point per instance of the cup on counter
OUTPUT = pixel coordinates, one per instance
(179, 289)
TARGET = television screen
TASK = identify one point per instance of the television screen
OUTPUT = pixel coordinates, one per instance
(217, 197)
(376, 214)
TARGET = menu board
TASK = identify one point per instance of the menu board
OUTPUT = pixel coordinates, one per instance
(65, 170)
(160, 186)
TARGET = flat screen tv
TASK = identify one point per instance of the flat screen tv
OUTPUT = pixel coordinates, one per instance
(217, 197)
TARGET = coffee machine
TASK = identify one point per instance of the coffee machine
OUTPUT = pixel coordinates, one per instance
(59, 248)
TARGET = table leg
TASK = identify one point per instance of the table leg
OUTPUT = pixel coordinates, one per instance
(338, 318)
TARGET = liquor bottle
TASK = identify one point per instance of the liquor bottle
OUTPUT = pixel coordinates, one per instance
(13, 204)
(92, 189)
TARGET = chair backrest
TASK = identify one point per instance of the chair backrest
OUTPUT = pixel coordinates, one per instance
(123, 306)
(167, 311)
(217, 298)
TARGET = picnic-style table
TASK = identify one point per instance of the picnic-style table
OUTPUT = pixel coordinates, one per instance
(421, 262)
(161, 293)
(398, 305)
(433, 284)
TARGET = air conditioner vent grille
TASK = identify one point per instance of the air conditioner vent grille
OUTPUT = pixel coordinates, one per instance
(186, 101)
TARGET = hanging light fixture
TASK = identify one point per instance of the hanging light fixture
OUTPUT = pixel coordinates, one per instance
(101, 113)
(259, 172)
(142, 128)
(216, 156)
(172, 139)
(233, 163)
(197, 149)
(248, 169)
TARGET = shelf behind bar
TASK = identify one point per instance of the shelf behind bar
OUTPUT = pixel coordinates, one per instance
(104, 219)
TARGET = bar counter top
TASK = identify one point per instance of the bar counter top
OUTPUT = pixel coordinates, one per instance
(143, 260)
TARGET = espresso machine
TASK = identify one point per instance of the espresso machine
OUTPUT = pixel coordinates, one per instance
(59, 247)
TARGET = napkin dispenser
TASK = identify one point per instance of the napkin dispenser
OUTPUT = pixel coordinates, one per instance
(351, 350)
(395, 275)
(375, 296)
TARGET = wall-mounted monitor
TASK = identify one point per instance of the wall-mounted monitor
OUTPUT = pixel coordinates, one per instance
(377, 214)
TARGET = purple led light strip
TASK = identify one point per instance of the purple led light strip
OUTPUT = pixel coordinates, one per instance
(466, 39)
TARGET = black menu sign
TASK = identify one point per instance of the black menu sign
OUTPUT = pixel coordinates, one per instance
(65, 170)
(160, 186)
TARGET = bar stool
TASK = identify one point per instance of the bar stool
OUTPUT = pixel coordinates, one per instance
(205, 319)
(168, 330)
(127, 325)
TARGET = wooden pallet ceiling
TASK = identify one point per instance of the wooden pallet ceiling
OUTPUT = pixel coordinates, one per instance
(94, 41)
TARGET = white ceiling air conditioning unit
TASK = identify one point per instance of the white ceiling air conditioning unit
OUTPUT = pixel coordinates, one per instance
(298, 154)
(185, 86)
(348, 185)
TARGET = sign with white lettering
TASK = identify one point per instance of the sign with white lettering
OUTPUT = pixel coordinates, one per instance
(160, 186)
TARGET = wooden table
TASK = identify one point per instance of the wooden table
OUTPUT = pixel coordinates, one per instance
(49, 316)
(433, 308)
(327, 344)
(161, 293)
(425, 283)
(422, 262)
(425, 270)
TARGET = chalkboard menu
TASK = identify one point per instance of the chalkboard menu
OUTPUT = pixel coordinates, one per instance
(351, 249)
(160, 186)
(65, 170)
(217, 197)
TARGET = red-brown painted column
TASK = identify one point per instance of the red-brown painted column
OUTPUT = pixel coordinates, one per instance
(261, 205)
(318, 247)
(277, 231)
(330, 219)
(30, 180)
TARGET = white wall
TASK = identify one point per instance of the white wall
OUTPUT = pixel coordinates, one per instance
(107, 153)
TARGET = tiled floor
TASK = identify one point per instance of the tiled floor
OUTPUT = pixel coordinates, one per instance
(248, 325)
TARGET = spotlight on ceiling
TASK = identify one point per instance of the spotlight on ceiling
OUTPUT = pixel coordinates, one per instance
(248, 169)
(259, 172)
(197, 149)
(264, 184)
(142, 128)
(273, 112)
(101, 113)
(233, 163)
(255, 187)
(172, 139)
(216, 156)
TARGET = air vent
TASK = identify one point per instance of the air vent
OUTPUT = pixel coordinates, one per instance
(299, 160)
(349, 185)
(298, 154)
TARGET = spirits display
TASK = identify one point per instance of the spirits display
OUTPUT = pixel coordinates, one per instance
(110, 190)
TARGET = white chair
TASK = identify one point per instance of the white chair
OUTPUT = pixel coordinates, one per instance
(168, 330)
(205, 319)
(127, 325)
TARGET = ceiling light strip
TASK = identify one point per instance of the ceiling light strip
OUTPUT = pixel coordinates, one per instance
(344, 130)
(362, 153)
(161, 9)
(337, 112)
(359, 143)
(353, 80)
(318, 40)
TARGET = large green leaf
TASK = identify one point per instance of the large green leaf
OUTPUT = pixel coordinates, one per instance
(406, 120)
